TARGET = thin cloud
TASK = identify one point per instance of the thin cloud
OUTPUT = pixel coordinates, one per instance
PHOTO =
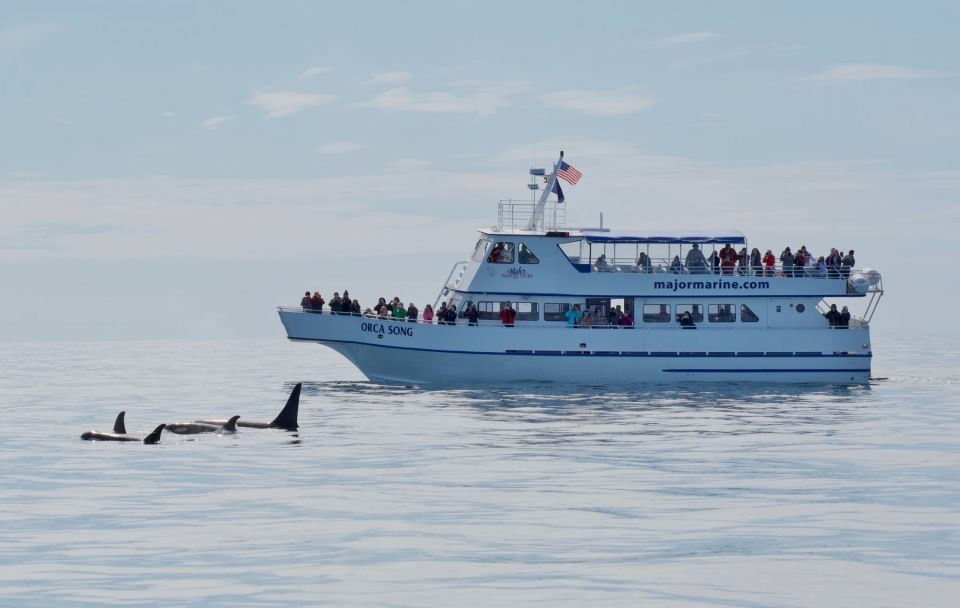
(389, 78)
(690, 38)
(285, 103)
(613, 102)
(340, 147)
(479, 97)
(871, 71)
(216, 121)
(314, 71)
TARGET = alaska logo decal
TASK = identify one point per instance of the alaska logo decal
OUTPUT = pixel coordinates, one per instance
(516, 273)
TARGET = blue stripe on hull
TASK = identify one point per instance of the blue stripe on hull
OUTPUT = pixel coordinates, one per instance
(555, 353)
(765, 370)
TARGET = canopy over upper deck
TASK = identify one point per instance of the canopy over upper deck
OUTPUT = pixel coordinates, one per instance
(718, 237)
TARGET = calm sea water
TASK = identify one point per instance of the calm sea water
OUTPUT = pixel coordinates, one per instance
(525, 495)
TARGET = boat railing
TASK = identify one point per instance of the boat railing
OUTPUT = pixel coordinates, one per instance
(855, 322)
(517, 215)
(666, 266)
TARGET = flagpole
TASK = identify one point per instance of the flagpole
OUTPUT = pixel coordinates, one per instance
(542, 203)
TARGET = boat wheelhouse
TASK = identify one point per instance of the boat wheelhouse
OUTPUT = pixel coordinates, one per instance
(652, 311)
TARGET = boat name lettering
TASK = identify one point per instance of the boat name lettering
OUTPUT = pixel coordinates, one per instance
(676, 284)
(516, 273)
(380, 328)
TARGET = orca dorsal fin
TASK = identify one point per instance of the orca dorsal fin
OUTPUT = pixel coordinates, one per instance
(154, 437)
(287, 418)
(231, 424)
(118, 426)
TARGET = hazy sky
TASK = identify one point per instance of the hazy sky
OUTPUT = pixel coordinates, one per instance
(177, 169)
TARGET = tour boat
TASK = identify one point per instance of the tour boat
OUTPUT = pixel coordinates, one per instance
(690, 323)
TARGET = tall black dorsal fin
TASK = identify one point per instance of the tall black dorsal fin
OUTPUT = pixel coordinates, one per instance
(154, 437)
(119, 427)
(287, 418)
(231, 424)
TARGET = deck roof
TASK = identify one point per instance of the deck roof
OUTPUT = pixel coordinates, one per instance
(664, 236)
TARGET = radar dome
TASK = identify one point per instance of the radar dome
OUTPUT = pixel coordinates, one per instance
(859, 283)
(872, 276)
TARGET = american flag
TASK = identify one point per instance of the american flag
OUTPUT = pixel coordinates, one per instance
(568, 173)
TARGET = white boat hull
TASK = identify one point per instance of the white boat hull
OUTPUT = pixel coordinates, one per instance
(416, 353)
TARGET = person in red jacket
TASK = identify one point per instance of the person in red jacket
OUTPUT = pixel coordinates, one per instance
(769, 261)
(728, 259)
(507, 315)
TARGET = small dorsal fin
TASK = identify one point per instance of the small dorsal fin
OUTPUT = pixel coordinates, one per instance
(154, 437)
(231, 424)
(287, 418)
(119, 427)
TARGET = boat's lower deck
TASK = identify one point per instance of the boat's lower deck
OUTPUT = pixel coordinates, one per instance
(397, 351)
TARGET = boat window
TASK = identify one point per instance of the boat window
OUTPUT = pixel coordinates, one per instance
(747, 315)
(502, 253)
(656, 313)
(526, 256)
(555, 312)
(695, 310)
(721, 313)
(478, 250)
(527, 311)
(489, 311)
(800, 308)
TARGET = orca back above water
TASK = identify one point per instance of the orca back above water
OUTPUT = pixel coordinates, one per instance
(194, 428)
(286, 419)
(150, 439)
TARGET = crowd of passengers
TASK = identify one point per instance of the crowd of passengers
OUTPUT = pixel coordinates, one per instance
(447, 314)
(730, 261)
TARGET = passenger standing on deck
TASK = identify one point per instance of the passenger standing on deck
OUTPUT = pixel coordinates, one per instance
(316, 302)
(756, 262)
(627, 319)
(847, 264)
(450, 315)
(428, 314)
(696, 263)
(507, 315)
(821, 268)
(843, 320)
(832, 316)
(305, 301)
(742, 261)
(473, 315)
(345, 302)
(412, 313)
(728, 259)
(355, 307)
(335, 303)
(574, 315)
(799, 261)
(714, 261)
(833, 263)
(769, 264)
(643, 263)
(786, 262)
(675, 266)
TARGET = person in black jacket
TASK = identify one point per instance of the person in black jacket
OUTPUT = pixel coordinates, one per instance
(451, 314)
(412, 313)
(833, 316)
(473, 315)
(305, 301)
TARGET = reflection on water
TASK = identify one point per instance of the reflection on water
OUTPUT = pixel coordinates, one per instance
(705, 495)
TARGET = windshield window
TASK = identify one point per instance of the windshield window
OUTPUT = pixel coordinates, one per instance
(478, 250)
(526, 256)
(502, 253)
